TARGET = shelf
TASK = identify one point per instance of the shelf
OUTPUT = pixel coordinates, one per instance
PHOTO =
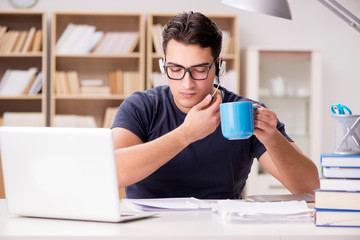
(98, 55)
(23, 22)
(95, 66)
(25, 97)
(295, 74)
(91, 97)
(21, 55)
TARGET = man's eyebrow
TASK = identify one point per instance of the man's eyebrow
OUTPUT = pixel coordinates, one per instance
(197, 65)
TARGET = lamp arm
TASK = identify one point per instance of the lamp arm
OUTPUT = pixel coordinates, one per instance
(344, 14)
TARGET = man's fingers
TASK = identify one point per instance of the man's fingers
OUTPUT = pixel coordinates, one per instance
(204, 103)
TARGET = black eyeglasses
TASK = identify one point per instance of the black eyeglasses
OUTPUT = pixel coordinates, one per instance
(177, 72)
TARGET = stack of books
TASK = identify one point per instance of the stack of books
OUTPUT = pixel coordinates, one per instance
(83, 39)
(17, 82)
(20, 41)
(337, 202)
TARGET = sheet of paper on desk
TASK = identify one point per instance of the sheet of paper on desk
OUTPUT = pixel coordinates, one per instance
(233, 211)
(168, 204)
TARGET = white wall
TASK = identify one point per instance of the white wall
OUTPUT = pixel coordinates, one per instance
(313, 27)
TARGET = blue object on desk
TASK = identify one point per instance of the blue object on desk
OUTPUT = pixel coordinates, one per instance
(340, 109)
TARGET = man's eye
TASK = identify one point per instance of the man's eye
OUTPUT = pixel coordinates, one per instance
(175, 69)
(199, 70)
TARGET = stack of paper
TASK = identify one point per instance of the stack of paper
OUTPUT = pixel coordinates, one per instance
(263, 212)
(168, 204)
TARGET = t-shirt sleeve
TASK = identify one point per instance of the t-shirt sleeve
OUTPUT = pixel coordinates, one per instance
(132, 116)
(259, 148)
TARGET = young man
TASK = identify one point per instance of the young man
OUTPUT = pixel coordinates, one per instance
(168, 139)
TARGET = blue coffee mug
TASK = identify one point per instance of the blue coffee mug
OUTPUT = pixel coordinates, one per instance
(237, 120)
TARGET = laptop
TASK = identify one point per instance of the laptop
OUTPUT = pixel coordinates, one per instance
(66, 173)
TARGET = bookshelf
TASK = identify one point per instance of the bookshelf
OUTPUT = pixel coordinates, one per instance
(19, 51)
(226, 22)
(94, 65)
(289, 82)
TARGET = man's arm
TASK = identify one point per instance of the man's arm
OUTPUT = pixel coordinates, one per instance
(136, 160)
(283, 159)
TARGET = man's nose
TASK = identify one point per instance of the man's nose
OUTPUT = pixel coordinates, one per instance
(187, 81)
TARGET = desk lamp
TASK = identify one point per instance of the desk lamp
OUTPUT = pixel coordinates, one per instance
(280, 8)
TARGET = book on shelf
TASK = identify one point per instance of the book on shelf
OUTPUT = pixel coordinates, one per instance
(29, 40)
(78, 39)
(16, 41)
(226, 42)
(73, 82)
(11, 40)
(3, 30)
(24, 119)
(5, 41)
(117, 43)
(85, 33)
(92, 82)
(157, 38)
(110, 113)
(17, 82)
(116, 82)
(339, 218)
(67, 46)
(131, 82)
(63, 37)
(20, 42)
(95, 90)
(37, 85)
(61, 83)
(158, 79)
(124, 82)
(37, 41)
(65, 120)
(28, 86)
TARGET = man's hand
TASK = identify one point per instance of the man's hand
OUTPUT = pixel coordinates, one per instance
(265, 122)
(203, 118)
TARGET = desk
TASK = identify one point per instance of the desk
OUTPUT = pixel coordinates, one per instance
(169, 225)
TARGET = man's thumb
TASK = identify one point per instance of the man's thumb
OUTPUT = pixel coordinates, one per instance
(205, 102)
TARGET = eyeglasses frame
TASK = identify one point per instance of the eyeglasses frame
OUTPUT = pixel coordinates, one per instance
(188, 70)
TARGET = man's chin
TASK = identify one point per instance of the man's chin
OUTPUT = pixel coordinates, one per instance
(186, 105)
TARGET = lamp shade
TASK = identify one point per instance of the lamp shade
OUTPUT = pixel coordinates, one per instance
(277, 8)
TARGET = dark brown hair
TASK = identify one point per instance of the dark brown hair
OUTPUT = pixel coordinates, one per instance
(193, 28)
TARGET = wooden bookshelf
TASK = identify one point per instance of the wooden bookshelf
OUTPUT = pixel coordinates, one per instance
(226, 22)
(95, 65)
(21, 59)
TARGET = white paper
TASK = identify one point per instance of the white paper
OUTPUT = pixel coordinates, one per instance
(168, 204)
(262, 212)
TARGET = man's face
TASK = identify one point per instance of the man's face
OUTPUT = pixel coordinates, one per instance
(188, 92)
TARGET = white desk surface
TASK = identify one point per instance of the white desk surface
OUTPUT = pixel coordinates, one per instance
(169, 225)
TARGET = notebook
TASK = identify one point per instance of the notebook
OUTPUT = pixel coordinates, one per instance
(66, 173)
